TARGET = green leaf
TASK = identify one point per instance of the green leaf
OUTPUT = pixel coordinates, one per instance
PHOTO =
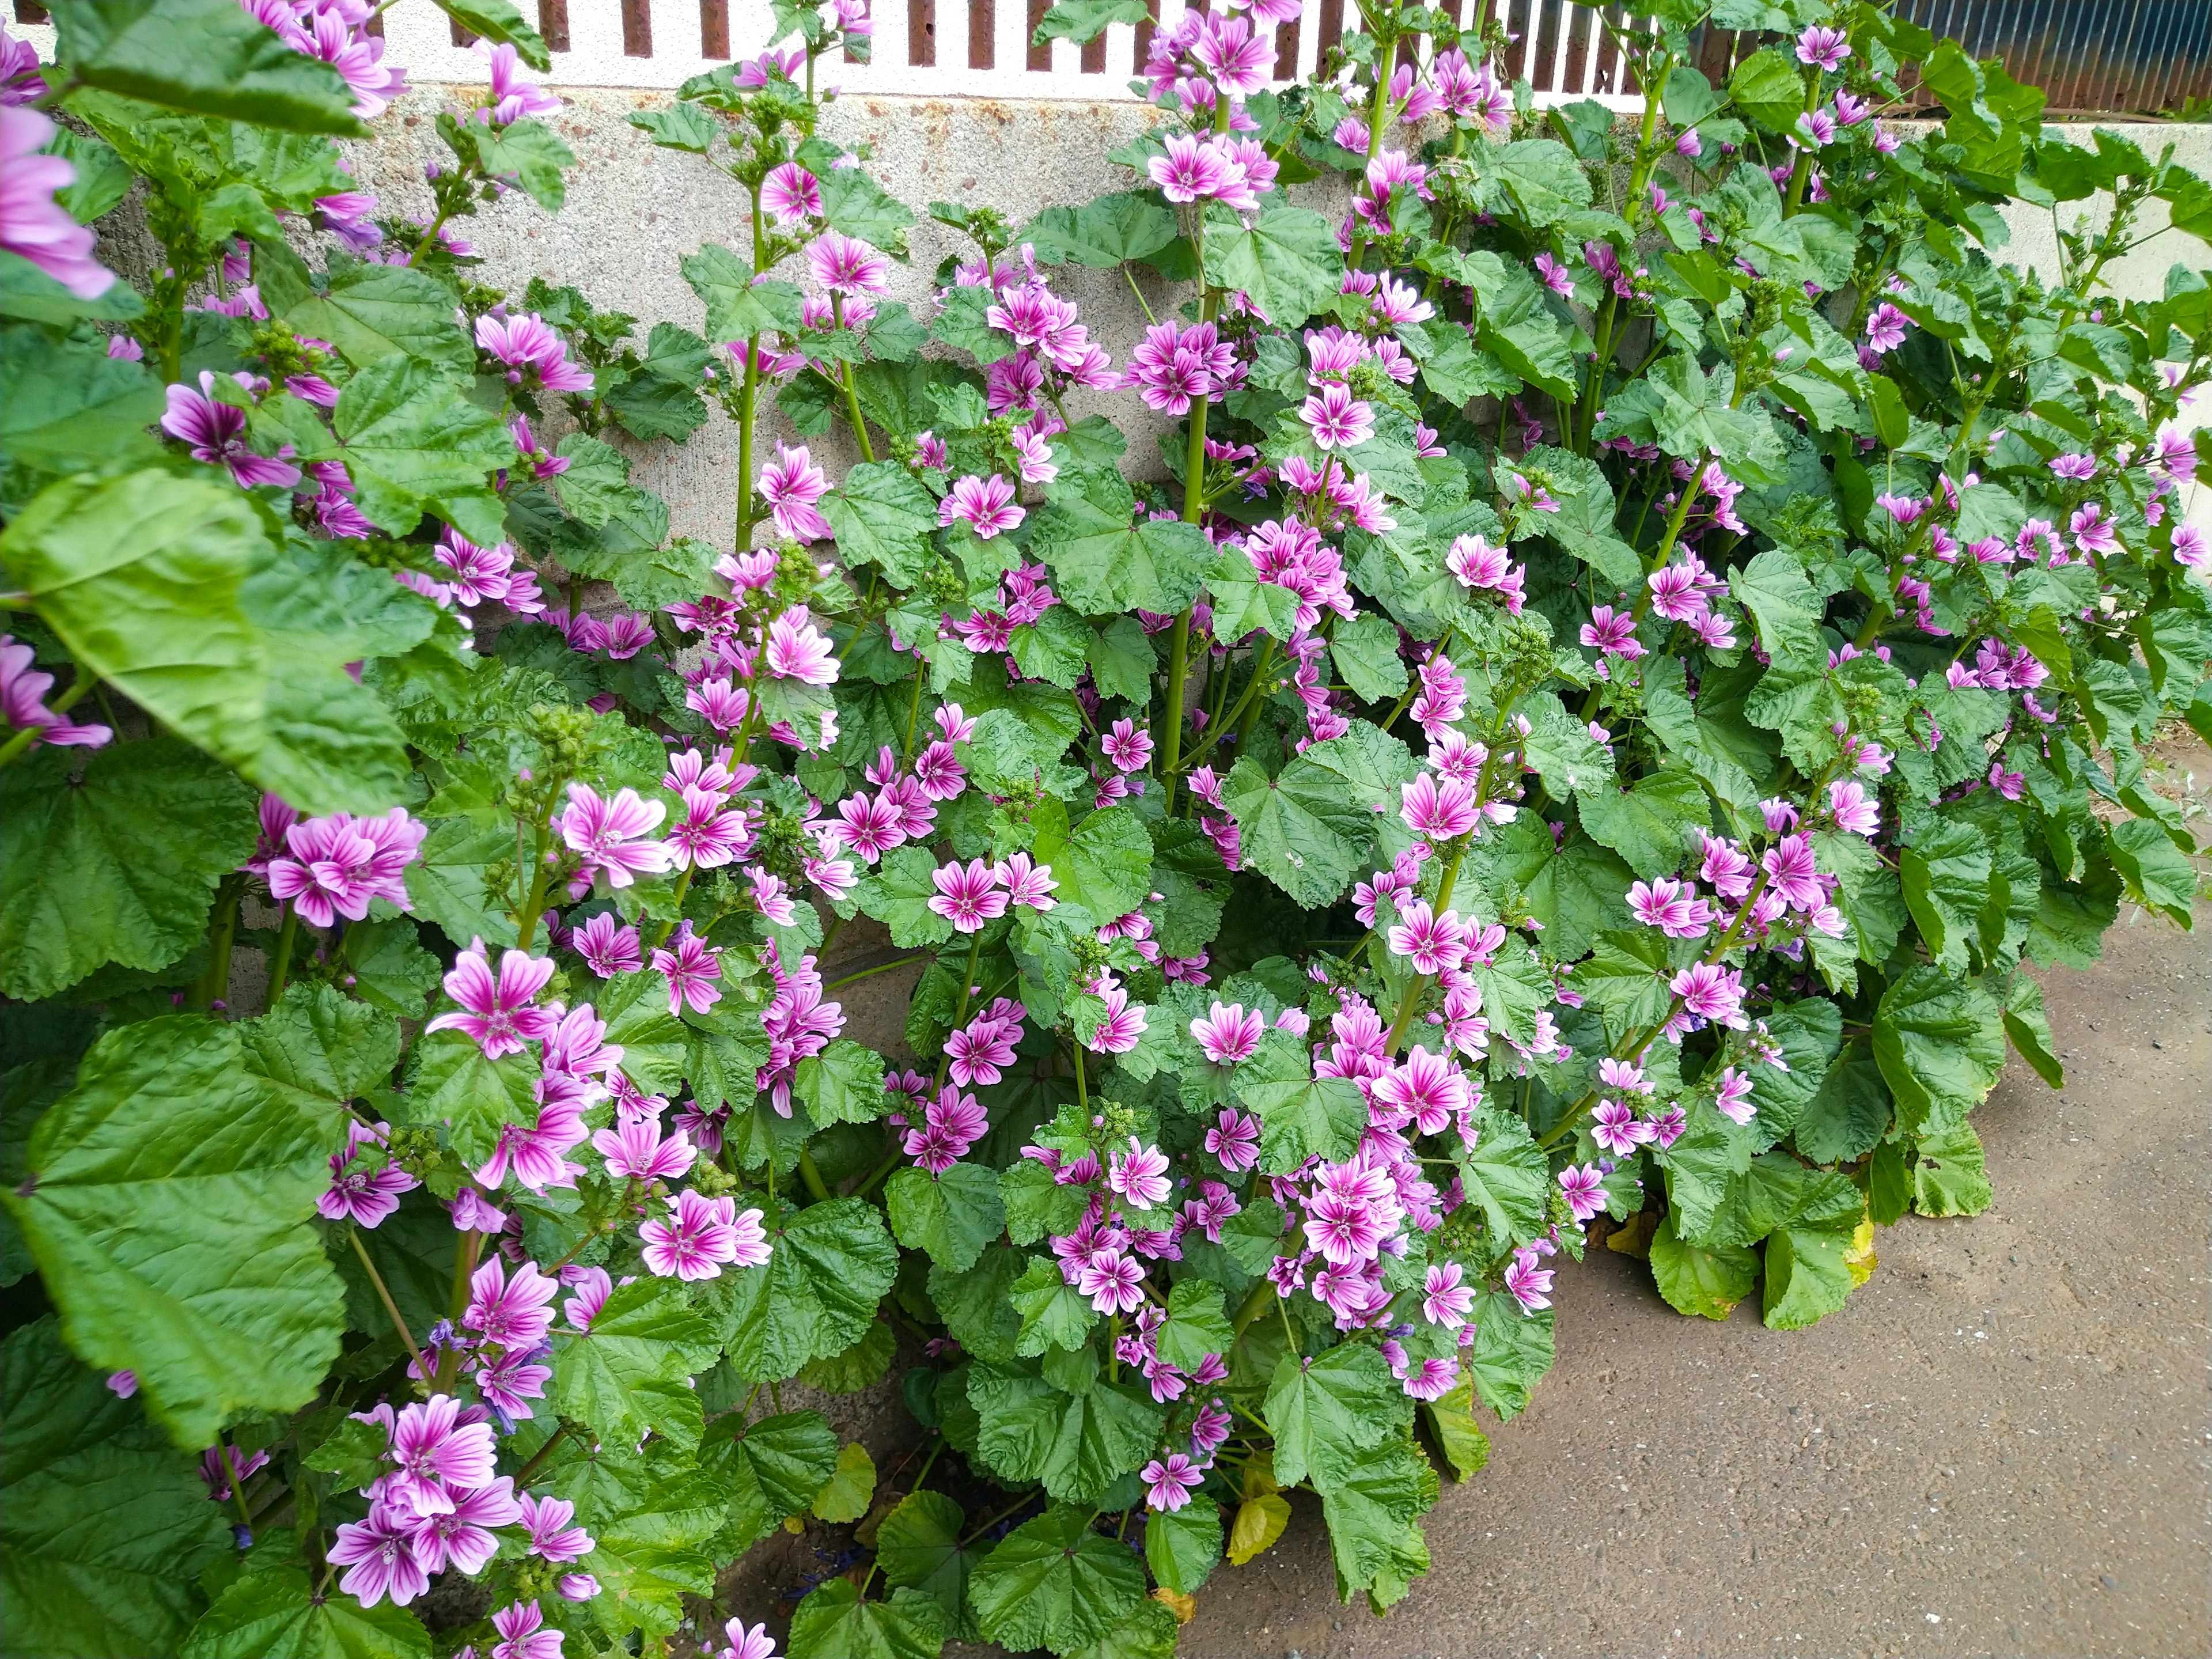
(1366, 653)
(1451, 1422)
(273, 1607)
(630, 1373)
(206, 56)
(1941, 1045)
(1122, 660)
(1706, 1281)
(27, 292)
(2155, 869)
(1373, 1517)
(843, 1084)
(1084, 21)
(1104, 866)
(898, 893)
(951, 1216)
(1196, 1325)
(1767, 88)
(1851, 1110)
(166, 1212)
(1054, 1581)
(1286, 261)
(771, 1469)
(1076, 1445)
(1541, 177)
(1243, 601)
(737, 306)
(454, 1084)
(1324, 1411)
(372, 311)
(816, 1295)
(63, 400)
(1512, 1353)
(1104, 562)
(1183, 1546)
(1946, 874)
(1648, 824)
(112, 855)
(857, 205)
(1312, 828)
(1773, 588)
(500, 23)
(1105, 232)
(320, 1045)
(860, 1366)
(652, 1513)
(882, 515)
(1507, 1175)
(414, 444)
(833, 1623)
(918, 1547)
(1301, 1116)
(1054, 1315)
(977, 1306)
(2029, 1028)
(851, 1487)
(528, 153)
(683, 126)
(1807, 1274)
(1950, 1173)
(103, 1523)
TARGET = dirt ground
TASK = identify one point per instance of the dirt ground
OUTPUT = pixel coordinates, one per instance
(1999, 1446)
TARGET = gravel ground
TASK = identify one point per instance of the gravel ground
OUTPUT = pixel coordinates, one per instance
(1998, 1446)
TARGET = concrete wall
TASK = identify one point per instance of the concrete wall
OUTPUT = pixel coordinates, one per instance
(634, 210)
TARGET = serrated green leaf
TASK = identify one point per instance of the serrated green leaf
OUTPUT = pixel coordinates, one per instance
(1325, 1411)
(1054, 1581)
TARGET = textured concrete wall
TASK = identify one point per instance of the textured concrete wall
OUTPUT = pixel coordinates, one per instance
(634, 210)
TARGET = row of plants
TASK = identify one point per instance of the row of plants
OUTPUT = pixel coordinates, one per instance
(1638, 638)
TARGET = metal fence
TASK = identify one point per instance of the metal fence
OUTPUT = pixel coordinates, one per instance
(2093, 57)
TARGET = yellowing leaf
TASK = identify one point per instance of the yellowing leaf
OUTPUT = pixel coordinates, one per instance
(1860, 1258)
(845, 1495)
(1185, 1607)
(1260, 1522)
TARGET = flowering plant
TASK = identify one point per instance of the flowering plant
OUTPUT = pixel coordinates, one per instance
(1641, 636)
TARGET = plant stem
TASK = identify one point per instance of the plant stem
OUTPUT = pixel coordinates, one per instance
(523, 1475)
(880, 967)
(682, 886)
(1081, 1093)
(280, 969)
(214, 985)
(810, 1177)
(464, 1266)
(845, 379)
(384, 1295)
(1412, 999)
(237, 1486)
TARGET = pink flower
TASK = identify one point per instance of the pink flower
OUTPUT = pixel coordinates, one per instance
(435, 1452)
(497, 1012)
(607, 946)
(1170, 1483)
(217, 432)
(1432, 943)
(514, 1313)
(1584, 1188)
(986, 503)
(1444, 1300)
(1885, 329)
(1336, 418)
(1425, 1089)
(797, 650)
(1124, 1022)
(1191, 169)
(1234, 1139)
(1127, 747)
(1710, 992)
(462, 1539)
(2092, 531)
(22, 700)
(1112, 1281)
(844, 265)
(32, 223)
(380, 1554)
(1438, 808)
(334, 866)
(593, 1289)
(527, 346)
(1028, 884)
(1826, 48)
(791, 484)
(1140, 1174)
(692, 967)
(2189, 550)
(1671, 906)
(744, 1643)
(551, 1536)
(702, 1234)
(1851, 808)
(610, 834)
(363, 1196)
(521, 1635)
(1228, 1036)
(635, 1150)
(1612, 633)
(1791, 874)
(511, 96)
(1529, 1283)
(791, 193)
(968, 898)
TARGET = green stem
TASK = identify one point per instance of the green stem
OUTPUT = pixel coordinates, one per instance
(384, 1295)
(1801, 168)
(1245, 707)
(682, 886)
(1171, 739)
(1082, 1092)
(881, 1170)
(1412, 999)
(214, 985)
(237, 1486)
(464, 1266)
(880, 967)
(810, 1177)
(523, 1475)
(280, 969)
(845, 379)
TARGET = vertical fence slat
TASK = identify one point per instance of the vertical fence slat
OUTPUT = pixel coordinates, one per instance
(637, 28)
(982, 48)
(714, 29)
(1286, 51)
(1093, 61)
(552, 24)
(921, 33)
(30, 11)
(1332, 26)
